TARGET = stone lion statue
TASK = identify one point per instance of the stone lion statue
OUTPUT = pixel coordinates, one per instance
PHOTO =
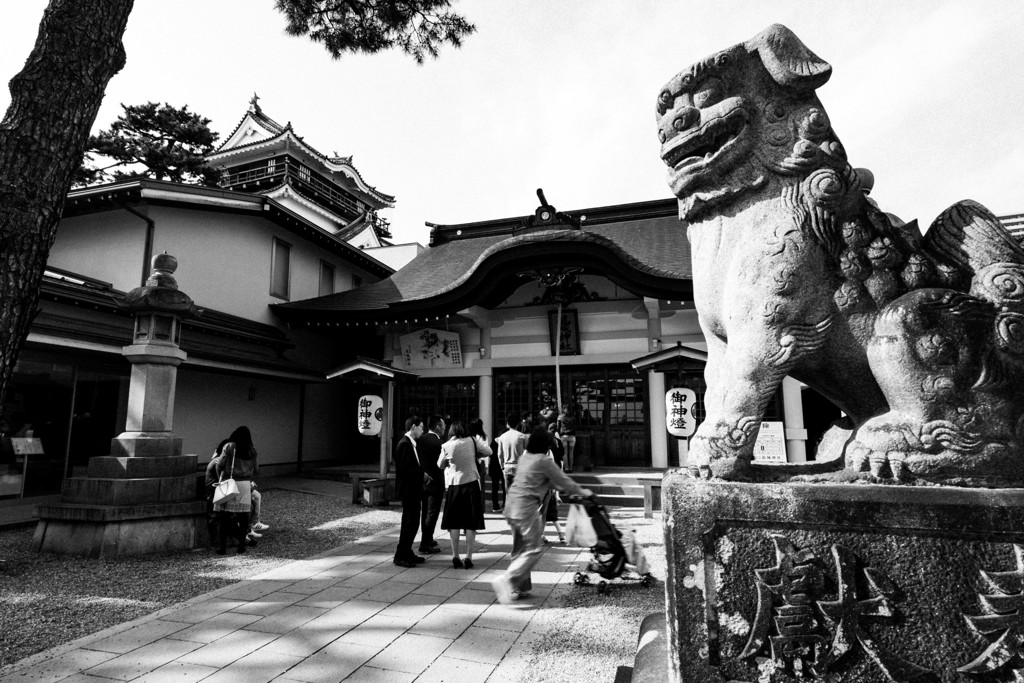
(918, 339)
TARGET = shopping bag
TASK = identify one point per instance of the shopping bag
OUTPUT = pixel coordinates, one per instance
(225, 491)
(579, 530)
(634, 552)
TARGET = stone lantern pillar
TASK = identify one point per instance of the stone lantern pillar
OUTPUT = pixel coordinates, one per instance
(142, 497)
(154, 354)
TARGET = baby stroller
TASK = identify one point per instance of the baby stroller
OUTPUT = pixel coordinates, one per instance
(615, 555)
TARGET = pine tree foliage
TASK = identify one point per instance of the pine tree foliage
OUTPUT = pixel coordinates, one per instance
(151, 140)
(417, 27)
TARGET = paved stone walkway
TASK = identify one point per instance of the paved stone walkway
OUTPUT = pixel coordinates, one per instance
(347, 615)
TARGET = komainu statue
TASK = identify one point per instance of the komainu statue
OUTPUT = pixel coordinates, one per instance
(919, 340)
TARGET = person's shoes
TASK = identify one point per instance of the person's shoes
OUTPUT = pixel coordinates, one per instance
(503, 589)
(241, 548)
(404, 563)
(468, 563)
(252, 534)
(457, 562)
(417, 559)
(260, 526)
(498, 508)
(432, 550)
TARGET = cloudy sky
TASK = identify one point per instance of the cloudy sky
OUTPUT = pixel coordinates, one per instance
(560, 94)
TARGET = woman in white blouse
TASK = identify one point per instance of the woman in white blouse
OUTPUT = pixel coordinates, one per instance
(463, 501)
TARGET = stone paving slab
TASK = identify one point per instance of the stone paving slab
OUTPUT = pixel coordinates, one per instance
(347, 615)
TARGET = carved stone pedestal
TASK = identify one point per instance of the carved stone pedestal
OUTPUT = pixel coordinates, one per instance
(853, 583)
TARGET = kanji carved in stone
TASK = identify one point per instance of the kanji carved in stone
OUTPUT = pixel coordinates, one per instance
(919, 340)
(808, 635)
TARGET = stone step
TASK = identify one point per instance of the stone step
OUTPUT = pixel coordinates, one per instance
(611, 489)
(621, 500)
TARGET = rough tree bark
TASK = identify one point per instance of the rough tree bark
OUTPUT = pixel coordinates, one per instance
(54, 102)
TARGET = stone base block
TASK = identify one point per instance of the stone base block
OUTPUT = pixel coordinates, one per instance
(111, 467)
(145, 445)
(109, 531)
(855, 583)
(129, 491)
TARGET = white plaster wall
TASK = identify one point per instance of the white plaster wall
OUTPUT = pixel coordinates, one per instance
(107, 246)
(224, 260)
(209, 406)
(396, 256)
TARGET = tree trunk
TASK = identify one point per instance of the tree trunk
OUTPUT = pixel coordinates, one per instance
(54, 102)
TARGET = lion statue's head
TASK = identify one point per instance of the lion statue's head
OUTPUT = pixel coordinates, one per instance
(746, 118)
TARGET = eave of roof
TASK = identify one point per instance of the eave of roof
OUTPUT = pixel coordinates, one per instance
(361, 368)
(647, 253)
(672, 354)
(162, 193)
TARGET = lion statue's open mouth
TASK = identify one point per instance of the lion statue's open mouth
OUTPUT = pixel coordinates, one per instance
(715, 147)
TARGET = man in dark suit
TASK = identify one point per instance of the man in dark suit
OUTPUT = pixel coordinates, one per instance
(409, 486)
(429, 447)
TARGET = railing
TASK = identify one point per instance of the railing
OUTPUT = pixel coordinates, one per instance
(298, 174)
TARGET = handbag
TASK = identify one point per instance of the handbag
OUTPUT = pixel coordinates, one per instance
(579, 530)
(226, 490)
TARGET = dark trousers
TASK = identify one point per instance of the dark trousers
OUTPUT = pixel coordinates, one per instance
(432, 499)
(498, 491)
(233, 525)
(410, 525)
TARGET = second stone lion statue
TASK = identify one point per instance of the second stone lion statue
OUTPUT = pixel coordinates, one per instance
(919, 340)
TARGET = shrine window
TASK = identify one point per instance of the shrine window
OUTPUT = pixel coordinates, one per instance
(280, 274)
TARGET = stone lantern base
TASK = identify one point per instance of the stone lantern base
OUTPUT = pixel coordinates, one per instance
(854, 583)
(128, 505)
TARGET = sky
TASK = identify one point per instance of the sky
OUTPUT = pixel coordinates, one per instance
(560, 95)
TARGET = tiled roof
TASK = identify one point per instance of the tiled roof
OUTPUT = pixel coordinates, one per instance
(651, 251)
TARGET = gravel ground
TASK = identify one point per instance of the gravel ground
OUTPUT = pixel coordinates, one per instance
(47, 599)
(589, 636)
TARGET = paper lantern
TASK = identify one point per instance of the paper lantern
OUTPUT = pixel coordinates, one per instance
(371, 414)
(679, 412)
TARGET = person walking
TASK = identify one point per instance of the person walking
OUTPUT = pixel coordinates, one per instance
(429, 447)
(535, 476)
(567, 432)
(550, 506)
(463, 500)
(497, 477)
(409, 487)
(510, 447)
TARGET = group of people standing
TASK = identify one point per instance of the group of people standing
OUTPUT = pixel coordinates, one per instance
(440, 476)
(237, 519)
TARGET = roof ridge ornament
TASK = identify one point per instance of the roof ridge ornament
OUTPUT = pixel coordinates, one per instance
(547, 216)
(254, 104)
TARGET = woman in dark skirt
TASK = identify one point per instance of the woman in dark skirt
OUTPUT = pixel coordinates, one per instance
(463, 500)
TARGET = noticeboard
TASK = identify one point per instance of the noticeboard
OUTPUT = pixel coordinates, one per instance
(27, 445)
(770, 447)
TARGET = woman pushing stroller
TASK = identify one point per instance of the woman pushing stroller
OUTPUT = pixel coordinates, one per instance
(535, 476)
